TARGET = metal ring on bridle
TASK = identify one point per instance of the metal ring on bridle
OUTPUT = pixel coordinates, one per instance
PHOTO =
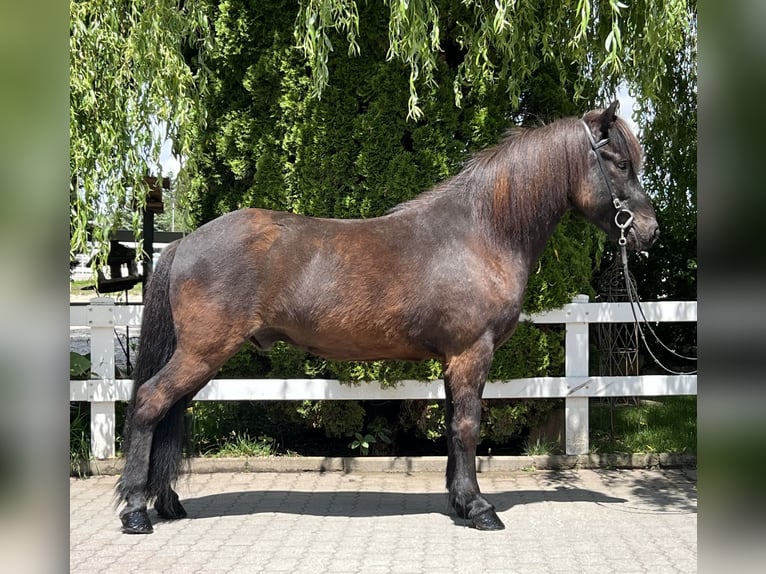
(622, 241)
(625, 224)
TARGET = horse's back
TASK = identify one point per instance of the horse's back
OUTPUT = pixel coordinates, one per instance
(225, 244)
(385, 288)
(248, 241)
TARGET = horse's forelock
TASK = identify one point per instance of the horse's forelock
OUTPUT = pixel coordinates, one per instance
(627, 143)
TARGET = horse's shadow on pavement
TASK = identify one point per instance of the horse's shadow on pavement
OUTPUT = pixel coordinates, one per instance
(356, 504)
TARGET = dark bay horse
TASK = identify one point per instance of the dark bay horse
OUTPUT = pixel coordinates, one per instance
(441, 276)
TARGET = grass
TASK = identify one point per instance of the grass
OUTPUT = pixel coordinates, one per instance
(242, 445)
(667, 424)
(79, 288)
(541, 447)
(79, 443)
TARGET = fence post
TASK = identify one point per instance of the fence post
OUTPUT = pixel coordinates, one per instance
(576, 408)
(101, 385)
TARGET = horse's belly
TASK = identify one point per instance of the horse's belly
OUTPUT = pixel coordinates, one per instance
(360, 346)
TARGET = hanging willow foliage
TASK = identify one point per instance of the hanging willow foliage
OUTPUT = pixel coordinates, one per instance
(138, 67)
(507, 40)
(131, 87)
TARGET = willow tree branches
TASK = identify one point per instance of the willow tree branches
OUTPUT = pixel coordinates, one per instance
(507, 40)
(130, 79)
(137, 66)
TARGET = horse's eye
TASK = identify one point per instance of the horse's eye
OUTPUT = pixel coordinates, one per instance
(623, 164)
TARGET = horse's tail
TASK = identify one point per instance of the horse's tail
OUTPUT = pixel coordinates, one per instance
(157, 344)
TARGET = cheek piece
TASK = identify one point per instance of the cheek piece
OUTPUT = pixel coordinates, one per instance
(623, 219)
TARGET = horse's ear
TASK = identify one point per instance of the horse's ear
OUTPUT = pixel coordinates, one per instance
(608, 117)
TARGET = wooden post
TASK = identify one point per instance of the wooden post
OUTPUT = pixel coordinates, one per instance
(101, 385)
(154, 205)
(577, 439)
(148, 246)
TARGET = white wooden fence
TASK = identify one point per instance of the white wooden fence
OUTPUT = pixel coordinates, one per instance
(102, 315)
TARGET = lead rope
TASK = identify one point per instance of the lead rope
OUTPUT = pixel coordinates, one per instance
(634, 302)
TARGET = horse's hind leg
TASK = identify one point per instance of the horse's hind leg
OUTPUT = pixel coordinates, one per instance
(188, 370)
(167, 504)
(464, 381)
(169, 433)
(152, 402)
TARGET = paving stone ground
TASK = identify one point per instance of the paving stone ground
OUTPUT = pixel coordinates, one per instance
(571, 521)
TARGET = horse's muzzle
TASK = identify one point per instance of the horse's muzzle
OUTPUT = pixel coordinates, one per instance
(655, 235)
(641, 240)
(652, 235)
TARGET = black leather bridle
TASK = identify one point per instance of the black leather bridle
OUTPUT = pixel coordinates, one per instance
(624, 219)
(624, 216)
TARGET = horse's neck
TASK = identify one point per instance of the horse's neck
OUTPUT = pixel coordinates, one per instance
(541, 234)
(529, 234)
(465, 206)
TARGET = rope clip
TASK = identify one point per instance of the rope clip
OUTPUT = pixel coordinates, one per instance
(625, 224)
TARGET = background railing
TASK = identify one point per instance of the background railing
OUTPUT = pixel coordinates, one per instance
(102, 315)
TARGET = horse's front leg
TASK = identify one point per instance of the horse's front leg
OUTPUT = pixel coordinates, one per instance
(464, 381)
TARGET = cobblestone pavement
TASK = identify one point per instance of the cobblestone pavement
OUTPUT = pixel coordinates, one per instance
(557, 521)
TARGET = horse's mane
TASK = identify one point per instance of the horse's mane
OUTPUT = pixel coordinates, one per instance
(525, 178)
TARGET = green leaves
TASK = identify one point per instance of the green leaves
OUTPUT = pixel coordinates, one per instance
(413, 33)
(362, 442)
(136, 69)
(79, 365)
(139, 72)
(670, 178)
(507, 40)
(378, 432)
(315, 19)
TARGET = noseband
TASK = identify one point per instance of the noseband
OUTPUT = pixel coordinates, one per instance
(624, 216)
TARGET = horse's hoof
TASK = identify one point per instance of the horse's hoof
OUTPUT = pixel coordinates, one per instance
(171, 510)
(136, 522)
(487, 521)
(171, 513)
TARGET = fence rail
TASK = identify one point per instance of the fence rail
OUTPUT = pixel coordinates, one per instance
(102, 315)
